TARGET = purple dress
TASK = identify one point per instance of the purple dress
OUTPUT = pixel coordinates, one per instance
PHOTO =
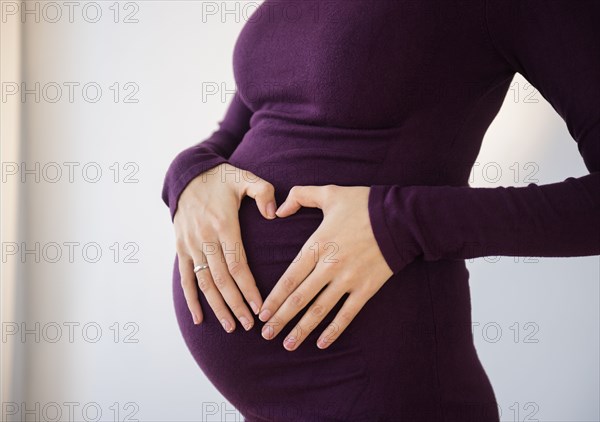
(396, 95)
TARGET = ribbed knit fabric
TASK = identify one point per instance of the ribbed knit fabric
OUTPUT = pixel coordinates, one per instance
(396, 95)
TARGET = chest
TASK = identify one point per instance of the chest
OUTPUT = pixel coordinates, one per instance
(365, 61)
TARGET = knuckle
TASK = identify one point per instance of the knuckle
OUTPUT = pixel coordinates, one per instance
(289, 284)
(204, 230)
(297, 299)
(236, 268)
(186, 239)
(180, 244)
(209, 248)
(294, 190)
(267, 188)
(203, 284)
(323, 248)
(219, 280)
(331, 247)
(318, 243)
(345, 279)
(329, 267)
(317, 310)
(219, 222)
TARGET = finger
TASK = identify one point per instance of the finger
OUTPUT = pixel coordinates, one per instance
(343, 318)
(226, 286)
(261, 191)
(237, 265)
(188, 285)
(211, 293)
(303, 196)
(295, 274)
(295, 302)
(325, 302)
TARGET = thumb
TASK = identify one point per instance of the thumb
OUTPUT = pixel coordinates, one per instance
(262, 192)
(301, 196)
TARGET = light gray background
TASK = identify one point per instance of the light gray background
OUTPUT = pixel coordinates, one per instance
(536, 324)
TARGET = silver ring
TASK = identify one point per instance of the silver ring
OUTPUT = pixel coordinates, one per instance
(200, 267)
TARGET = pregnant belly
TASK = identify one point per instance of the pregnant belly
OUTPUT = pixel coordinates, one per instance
(384, 366)
(259, 377)
(389, 364)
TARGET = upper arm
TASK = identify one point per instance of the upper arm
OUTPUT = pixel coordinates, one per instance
(237, 117)
(555, 45)
(232, 128)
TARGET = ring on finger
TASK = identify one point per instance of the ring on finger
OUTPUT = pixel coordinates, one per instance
(200, 267)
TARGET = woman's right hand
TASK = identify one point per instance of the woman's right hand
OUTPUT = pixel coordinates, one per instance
(206, 222)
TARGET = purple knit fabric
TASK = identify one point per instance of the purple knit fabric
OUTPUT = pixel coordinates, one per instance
(396, 95)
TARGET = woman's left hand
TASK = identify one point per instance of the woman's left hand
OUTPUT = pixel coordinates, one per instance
(342, 254)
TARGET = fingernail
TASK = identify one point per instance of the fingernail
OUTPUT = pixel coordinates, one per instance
(195, 318)
(265, 314)
(267, 332)
(271, 209)
(280, 207)
(321, 343)
(254, 307)
(290, 343)
(245, 323)
(226, 325)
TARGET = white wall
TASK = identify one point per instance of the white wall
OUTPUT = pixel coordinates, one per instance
(536, 320)
(167, 55)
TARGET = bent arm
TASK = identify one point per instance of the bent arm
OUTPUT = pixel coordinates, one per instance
(555, 45)
(214, 150)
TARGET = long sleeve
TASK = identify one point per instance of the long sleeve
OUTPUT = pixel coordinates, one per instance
(207, 154)
(555, 45)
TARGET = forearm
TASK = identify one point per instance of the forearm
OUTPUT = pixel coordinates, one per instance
(208, 154)
(192, 162)
(459, 222)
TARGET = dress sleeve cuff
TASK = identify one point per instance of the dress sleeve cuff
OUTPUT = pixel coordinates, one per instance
(174, 185)
(393, 227)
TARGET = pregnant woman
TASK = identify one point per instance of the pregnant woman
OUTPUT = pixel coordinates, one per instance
(365, 117)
